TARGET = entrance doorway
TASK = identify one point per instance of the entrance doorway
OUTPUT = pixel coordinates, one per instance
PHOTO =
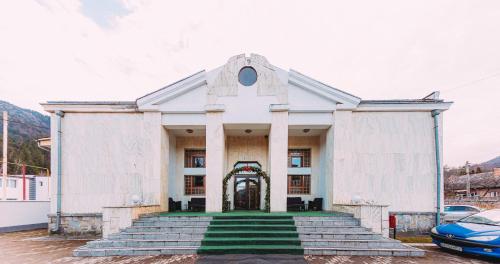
(246, 192)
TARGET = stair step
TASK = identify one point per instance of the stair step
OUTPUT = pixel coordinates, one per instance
(361, 244)
(252, 222)
(220, 241)
(413, 252)
(170, 223)
(127, 251)
(252, 227)
(167, 229)
(253, 217)
(340, 235)
(249, 233)
(143, 243)
(321, 223)
(332, 229)
(157, 235)
(252, 249)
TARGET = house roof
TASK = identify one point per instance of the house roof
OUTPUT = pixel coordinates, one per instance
(477, 181)
(344, 100)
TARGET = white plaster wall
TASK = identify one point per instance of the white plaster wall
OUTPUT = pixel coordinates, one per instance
(278, 167)
(246, 148)
(176, 173)
(312, 143)
(240, 111)
(103, 158)
(215, 151)
(43, 191)
(385, 157)
(298, 98)
(23, 212)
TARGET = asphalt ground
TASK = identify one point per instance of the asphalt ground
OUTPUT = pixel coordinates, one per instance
(28, 247)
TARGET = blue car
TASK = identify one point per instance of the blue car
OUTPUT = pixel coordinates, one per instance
(477, 234)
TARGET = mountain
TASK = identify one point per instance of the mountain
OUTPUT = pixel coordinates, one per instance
(490, 164)
(25, 126)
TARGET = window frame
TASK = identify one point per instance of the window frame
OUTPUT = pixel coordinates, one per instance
(9, 183)
(190, 156)
(303, 153)
(303, 188)
(192, 190)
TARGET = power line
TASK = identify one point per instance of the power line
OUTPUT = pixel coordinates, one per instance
(472, 82)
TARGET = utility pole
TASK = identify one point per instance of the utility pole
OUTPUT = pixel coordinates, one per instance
(4, 160)
(468, 177)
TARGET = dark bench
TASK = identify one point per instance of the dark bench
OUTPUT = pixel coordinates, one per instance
(174, 205)
(295, 204)
(315, 205)
(196, 204)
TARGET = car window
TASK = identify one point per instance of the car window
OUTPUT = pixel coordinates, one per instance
(448, 209)
(490, 217)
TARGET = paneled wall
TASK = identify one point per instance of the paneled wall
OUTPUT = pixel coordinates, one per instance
(246, 148)
(387, 158)
(312, 143)
(176, 174)
(103, 158)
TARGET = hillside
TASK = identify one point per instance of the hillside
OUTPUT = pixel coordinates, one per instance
(25, 126)
(490, 164)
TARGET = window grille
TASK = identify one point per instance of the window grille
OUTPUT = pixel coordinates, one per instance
(194, 158)
(194, 185)
(299, 184)
(299, 158)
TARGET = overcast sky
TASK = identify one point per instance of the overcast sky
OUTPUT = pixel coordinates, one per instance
(121, 50)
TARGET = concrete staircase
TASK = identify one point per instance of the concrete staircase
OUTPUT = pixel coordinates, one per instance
(343, 235)
(261, 234)
(252, 234)
(152, 235)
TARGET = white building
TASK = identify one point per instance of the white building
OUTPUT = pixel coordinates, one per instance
(313, 140)
(36, 188)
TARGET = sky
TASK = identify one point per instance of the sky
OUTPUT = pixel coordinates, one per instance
(121, 50)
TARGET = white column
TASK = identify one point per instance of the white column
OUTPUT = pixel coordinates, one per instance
(215, 161)
(341, 137)
(278, 152)
(164, 168)
(53, 164)
(154, 181)
(4, 158)
(328, 169)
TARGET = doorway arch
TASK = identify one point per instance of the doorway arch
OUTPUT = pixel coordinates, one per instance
(245, 169)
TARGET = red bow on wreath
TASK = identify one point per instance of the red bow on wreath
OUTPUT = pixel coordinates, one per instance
(247, 168)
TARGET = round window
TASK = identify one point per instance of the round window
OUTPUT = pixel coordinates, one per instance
(247, 76)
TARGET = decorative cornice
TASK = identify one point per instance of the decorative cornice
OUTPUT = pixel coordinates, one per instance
(279, 108)
(211, 108)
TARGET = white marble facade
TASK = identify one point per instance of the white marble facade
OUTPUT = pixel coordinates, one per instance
(379, 151)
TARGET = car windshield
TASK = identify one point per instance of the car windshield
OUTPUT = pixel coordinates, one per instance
(490, 217)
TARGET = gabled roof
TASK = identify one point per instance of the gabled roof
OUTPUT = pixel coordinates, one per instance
(340, 99)
(298, 79)
(149, 101)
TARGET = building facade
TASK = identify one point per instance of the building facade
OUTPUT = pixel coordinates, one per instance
(313, 140)
(31, 188)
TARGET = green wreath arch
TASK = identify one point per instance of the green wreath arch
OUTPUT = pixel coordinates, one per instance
(259, 173)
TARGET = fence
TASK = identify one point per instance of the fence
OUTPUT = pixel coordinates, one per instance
(23, 215)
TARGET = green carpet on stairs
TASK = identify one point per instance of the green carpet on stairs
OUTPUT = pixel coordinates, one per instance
(251, 234)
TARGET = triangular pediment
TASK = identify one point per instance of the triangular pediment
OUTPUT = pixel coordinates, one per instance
(174, 91)
(322, 90)
(193, 93)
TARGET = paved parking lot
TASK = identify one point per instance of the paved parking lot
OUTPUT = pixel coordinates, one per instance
(35, 247)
